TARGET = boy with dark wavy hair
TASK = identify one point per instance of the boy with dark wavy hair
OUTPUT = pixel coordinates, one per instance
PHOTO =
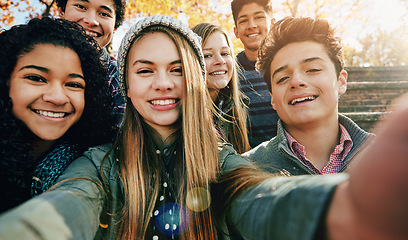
(302, 63)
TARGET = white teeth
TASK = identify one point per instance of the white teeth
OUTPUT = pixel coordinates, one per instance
(163, 102)
(294, 101)
(92, 34)
(219, 73)
(51, 114)
(253, 35)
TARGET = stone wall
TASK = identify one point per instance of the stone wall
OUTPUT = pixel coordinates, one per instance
(370, 92)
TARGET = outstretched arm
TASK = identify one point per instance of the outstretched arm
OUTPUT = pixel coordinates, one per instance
(373, 203)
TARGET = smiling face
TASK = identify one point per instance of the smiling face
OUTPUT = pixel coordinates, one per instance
(155, 79)
(218, 62)
(96, 16)
(305, 87)
(252, 26)
(47, 88)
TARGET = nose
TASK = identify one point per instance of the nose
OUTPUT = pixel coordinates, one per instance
(56, 95)
(297, 80)
(90, 19)
(163, 82)
(251, 23)
(219, 60)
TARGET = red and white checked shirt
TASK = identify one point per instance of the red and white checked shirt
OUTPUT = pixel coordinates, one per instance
(336, 157)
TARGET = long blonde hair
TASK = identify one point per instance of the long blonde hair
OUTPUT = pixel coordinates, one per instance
(237, 117)
(199, 161)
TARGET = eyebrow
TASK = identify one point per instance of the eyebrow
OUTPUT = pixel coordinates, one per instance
(303, 61)
(103, 6)
(222, 48)
(151, 63)
(246, 15)
(45, 70)
(42, 69)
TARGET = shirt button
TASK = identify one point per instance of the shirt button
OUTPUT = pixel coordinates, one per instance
(341, 149)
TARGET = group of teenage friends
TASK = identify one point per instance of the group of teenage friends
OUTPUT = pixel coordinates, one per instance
(180, 139)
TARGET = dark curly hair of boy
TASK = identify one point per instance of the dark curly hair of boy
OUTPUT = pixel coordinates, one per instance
(96, 123)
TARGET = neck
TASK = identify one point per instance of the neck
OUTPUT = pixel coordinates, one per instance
(319, 142)
(213, 93)
(40, 147)
(251, 54)
(166, 131)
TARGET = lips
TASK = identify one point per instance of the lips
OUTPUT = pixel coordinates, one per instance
(218, 73)
(92, 34)
(302, 99)
(252, 35)
(163, 102)
(51, 114)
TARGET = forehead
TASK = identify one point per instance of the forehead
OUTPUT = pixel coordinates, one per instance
(216, 39)
(153, 45)
(297, 52)
(251, 9)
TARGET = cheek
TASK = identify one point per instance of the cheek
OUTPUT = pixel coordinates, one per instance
(78, 101)
(230, 67)
(208, 63)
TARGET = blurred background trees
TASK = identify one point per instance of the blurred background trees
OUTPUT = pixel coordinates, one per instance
(374, 33)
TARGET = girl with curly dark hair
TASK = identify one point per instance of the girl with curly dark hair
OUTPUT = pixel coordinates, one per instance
(55, 104)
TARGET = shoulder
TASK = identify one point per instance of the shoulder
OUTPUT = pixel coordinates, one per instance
(230, 159)
(264, 149)
(356, 133)
(92, 162)
(99, 153)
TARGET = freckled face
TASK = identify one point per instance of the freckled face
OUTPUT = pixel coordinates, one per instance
(305, 86)
(155, 78)
(218, 61)
(47, 88)
(96, 16)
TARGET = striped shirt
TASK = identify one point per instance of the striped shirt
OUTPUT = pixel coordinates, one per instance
(263, 119)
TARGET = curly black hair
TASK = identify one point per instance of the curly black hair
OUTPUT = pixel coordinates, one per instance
(120, 6)
(96, 125)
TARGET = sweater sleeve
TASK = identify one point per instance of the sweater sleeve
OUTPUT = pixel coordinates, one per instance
(69, 210)
(285, 208)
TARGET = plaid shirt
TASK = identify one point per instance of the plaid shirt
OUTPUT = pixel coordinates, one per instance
(336, 157)
(110, 63)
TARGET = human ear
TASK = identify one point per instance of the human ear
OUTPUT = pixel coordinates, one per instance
(343, 82)
(236, 32)
(272, 102)
(60, 12)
